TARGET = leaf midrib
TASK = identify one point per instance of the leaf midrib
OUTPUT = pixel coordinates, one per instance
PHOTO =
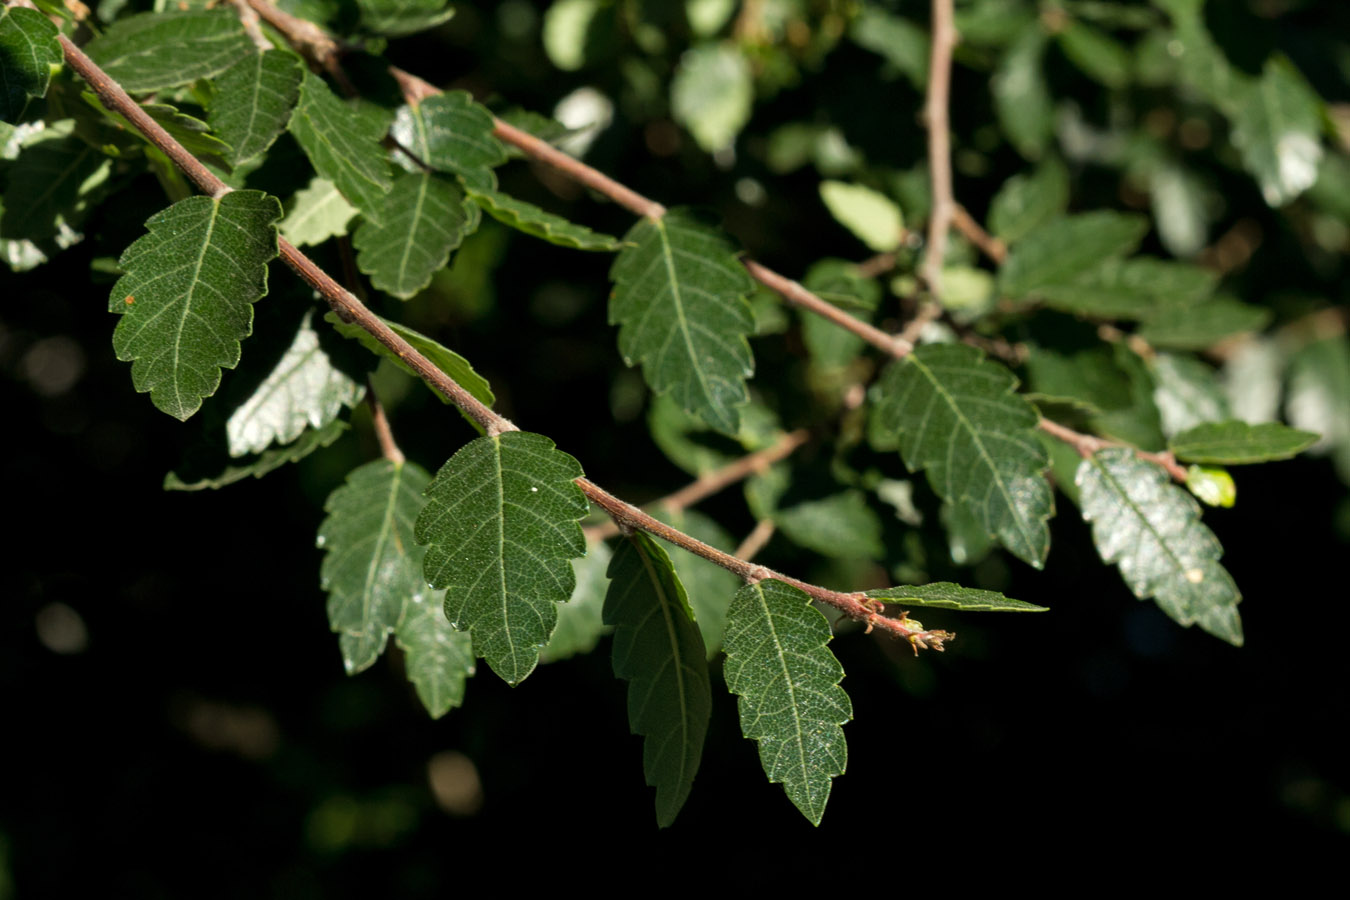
(781, 656)
(664, 604)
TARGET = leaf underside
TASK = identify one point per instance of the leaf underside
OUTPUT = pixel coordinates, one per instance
(372, 570)
(1152, 531)
(679, 302)
(658, 649)
(500, 527)
(186, 300)
(788, 683)
(953, 412)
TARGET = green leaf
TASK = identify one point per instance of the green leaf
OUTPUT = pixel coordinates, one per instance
(315, 214)
(1277, 129)
(904, 44)
(50, 183)
(1021, 97)
(1187, 393)
(1200, 325)
(268, 461)
(153, 51)
(343, 144)
(1028, 200)
(420, 220)
(712, 93)
(788, 683)
(1319, 398)
(581, 620)
(659, 651)
(566, 26)
(1152, 531)
(1068, 247)
(1135, 288)
(839, 525)
(253, 100)
(1096, 54)
(708, 586)
(534, 221)
(442, 357)
(451, 133)
(1214, 486)
(189, 131)
(305, 389)
(1181, 208)
(372, 570)
(186, 300)
(29, 52)
(679, 301)
(838, 282)
(399, 17)
(873, 217)
(953, 412)
(946, 595)
(500, 525)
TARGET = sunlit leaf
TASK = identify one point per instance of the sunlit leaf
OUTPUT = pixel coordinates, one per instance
(946, 595)
(451, 133)
(186, 300)
(658, 649)
(29, 51)
(1277, 129)
(50, 183)
(253, 100)
(872, 216)
(679, 299)
(343, 144)
(788, 683)
(399, 17)
(1152, 531)
(1187, 393)
(501, 526)
(153, 51)
(315, 214)
(712, 93)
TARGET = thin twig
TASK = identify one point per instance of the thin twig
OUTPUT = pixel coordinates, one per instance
(388, 447)
(989, 245)
(797, 295)
(1087, 444)
(352, 310)
(939, 144)
(756, 539)
(248, 17)
(710, 483)
(877, 265)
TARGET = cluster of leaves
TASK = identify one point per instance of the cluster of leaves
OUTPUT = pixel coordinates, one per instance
(1145, 359)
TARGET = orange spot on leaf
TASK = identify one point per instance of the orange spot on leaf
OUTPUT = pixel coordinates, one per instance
(130, 300)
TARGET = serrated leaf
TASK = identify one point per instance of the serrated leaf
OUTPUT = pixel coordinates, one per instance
(451, 133)
(50, 182)
(658, 649)
(581, 620)
(873, 217)
(712, 93)
(1021, 96)
(442, 357)
(1135, 288)
(419, 222)
(1187, 393)
(1277, 128)
(343, 144)
(679, 302)
(947, 595)
(1028, 200)
(268, 461)
(253, 100)
(1200, 325)
(29, 52)
(153, 51)
(1068, 247)
(399, 17)
(437, 658)
(305, 389)
(534, 221)
(953, 412)
(186, 300)
(500, 525)
(841, 525)
(1319, 398)
(708, 586)
(788, 683)
(315, 214)
(1152, 531)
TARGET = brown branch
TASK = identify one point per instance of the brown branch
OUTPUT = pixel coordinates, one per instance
(383, 433)
(939, 144)
(756, 539)
(248, 17)
(971, 230)
(710, 483)
(797, 295)
(352, 310)
(1087, 444)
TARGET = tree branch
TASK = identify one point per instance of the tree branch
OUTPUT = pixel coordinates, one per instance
(383, 433)
(989, 245)
(352, 310)
(939, 144)
(1087, 444)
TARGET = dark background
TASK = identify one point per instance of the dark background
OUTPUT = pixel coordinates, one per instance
(203, 740)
